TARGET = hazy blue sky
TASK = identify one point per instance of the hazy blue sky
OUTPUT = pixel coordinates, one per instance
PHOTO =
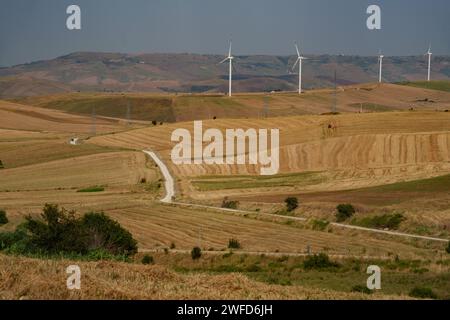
(36, 29)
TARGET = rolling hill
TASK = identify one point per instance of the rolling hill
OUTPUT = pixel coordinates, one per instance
(186, 107)
(170, 73)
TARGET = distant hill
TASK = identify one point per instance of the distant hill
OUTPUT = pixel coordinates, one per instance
(115, 72)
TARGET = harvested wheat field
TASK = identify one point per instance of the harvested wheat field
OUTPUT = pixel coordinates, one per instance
(24, 278)
(349, 150)
(108, 169)
(157, 226)
(24, 117)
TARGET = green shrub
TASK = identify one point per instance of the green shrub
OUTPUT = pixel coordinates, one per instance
(196, 253)
(59, 231)
(172, 245)
(390, 221)
(234, 244)
(361, 289)
(344, 211)
(1, 165)
(319, 225)
(3, 218)
(147, 259)
(229, 204)
(319, 261)
(291, 203)
(448, 248)
(103, 232)
(423, 293)
(92, 189)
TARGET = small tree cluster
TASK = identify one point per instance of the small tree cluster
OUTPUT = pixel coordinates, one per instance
(1, 165)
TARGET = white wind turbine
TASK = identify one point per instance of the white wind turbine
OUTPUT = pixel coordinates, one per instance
(429, 62)
(299, 60)
(230, 58)
(380, 60)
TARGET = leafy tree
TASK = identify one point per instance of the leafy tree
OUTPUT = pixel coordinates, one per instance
(58, 230)
(344, 211)
(234, 244)
(196, 253)
(291, 203)
(147, 259)
(103, 232)
(3, 218)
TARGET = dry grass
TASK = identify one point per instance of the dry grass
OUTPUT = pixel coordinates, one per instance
(24, 278)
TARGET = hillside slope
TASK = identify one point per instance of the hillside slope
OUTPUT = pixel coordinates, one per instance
(172, 108)
(89, 71)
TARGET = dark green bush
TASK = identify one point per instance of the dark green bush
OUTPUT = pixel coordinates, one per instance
(423, 293)
(103, 232)
(59, 231)
(172, 245)
(344, 211)
(147, 259)
(291, 203)
(234, 244)
(448, 248)
(319, 261)
(3, 218)
(1, 165)
(196, 253)
(229, 204)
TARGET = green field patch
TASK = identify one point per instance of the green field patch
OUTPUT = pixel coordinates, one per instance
(92, 189)
(436, 184)
(433, 85)
(210, 183)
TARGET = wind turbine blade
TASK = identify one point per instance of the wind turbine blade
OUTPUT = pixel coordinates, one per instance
(296, 48)
(293, 67)
(229, 51)
(224, 60)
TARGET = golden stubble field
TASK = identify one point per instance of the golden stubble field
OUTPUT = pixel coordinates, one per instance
(361, 150)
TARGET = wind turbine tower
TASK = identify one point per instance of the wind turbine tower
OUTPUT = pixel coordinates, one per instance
(230, 59)
(429, 62)
(299, 60)
(380, 59)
